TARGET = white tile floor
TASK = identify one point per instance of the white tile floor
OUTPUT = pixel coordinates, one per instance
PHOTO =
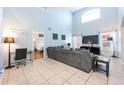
(52, 72)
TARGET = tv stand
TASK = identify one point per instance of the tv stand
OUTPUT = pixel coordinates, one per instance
(94, 50)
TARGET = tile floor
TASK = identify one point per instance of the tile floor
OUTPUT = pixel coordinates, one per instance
(52, 72)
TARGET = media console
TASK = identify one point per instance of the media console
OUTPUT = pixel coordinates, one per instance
(94, 50)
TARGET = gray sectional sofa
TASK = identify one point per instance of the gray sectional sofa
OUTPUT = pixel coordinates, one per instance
(81, 59)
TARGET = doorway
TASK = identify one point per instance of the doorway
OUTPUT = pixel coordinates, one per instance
(107, 43)
(77, 41)
(38, 45)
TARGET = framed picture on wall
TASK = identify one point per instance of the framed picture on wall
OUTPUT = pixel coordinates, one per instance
(55, 36)
(63, 37)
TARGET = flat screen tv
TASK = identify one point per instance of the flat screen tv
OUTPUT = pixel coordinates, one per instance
(93, 39)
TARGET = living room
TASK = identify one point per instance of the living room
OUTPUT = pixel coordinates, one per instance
(70, 28)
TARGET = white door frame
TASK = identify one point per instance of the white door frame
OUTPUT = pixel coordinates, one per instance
(44, 49)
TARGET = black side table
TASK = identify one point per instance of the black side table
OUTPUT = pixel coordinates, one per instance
(101, 59)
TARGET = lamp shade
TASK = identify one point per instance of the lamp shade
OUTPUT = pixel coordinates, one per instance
(9, 40)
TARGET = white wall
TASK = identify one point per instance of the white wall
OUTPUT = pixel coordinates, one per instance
(1, 19)
(28, 20)
(35, 19)
(121, 29)
(107, 22)
(1, 46)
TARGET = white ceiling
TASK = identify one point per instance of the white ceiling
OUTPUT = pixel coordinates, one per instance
(74, 9)
(70, 9)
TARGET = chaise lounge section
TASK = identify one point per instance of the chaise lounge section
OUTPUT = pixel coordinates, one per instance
(81, 59)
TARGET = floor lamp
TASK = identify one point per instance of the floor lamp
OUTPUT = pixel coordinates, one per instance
(9, 40)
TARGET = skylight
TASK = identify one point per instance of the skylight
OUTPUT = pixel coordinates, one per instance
(90, 15)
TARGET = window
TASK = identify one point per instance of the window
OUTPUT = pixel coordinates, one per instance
(90, 15)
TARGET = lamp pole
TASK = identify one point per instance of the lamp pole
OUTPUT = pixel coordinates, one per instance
(9, 40)
(9, 57)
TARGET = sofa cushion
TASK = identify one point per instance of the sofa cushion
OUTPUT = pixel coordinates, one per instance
(83, 51)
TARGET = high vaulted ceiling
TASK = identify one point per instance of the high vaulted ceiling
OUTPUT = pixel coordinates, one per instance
(70, 9)
(74, 9)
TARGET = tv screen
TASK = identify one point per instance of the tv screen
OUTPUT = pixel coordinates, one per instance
(93, 39)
